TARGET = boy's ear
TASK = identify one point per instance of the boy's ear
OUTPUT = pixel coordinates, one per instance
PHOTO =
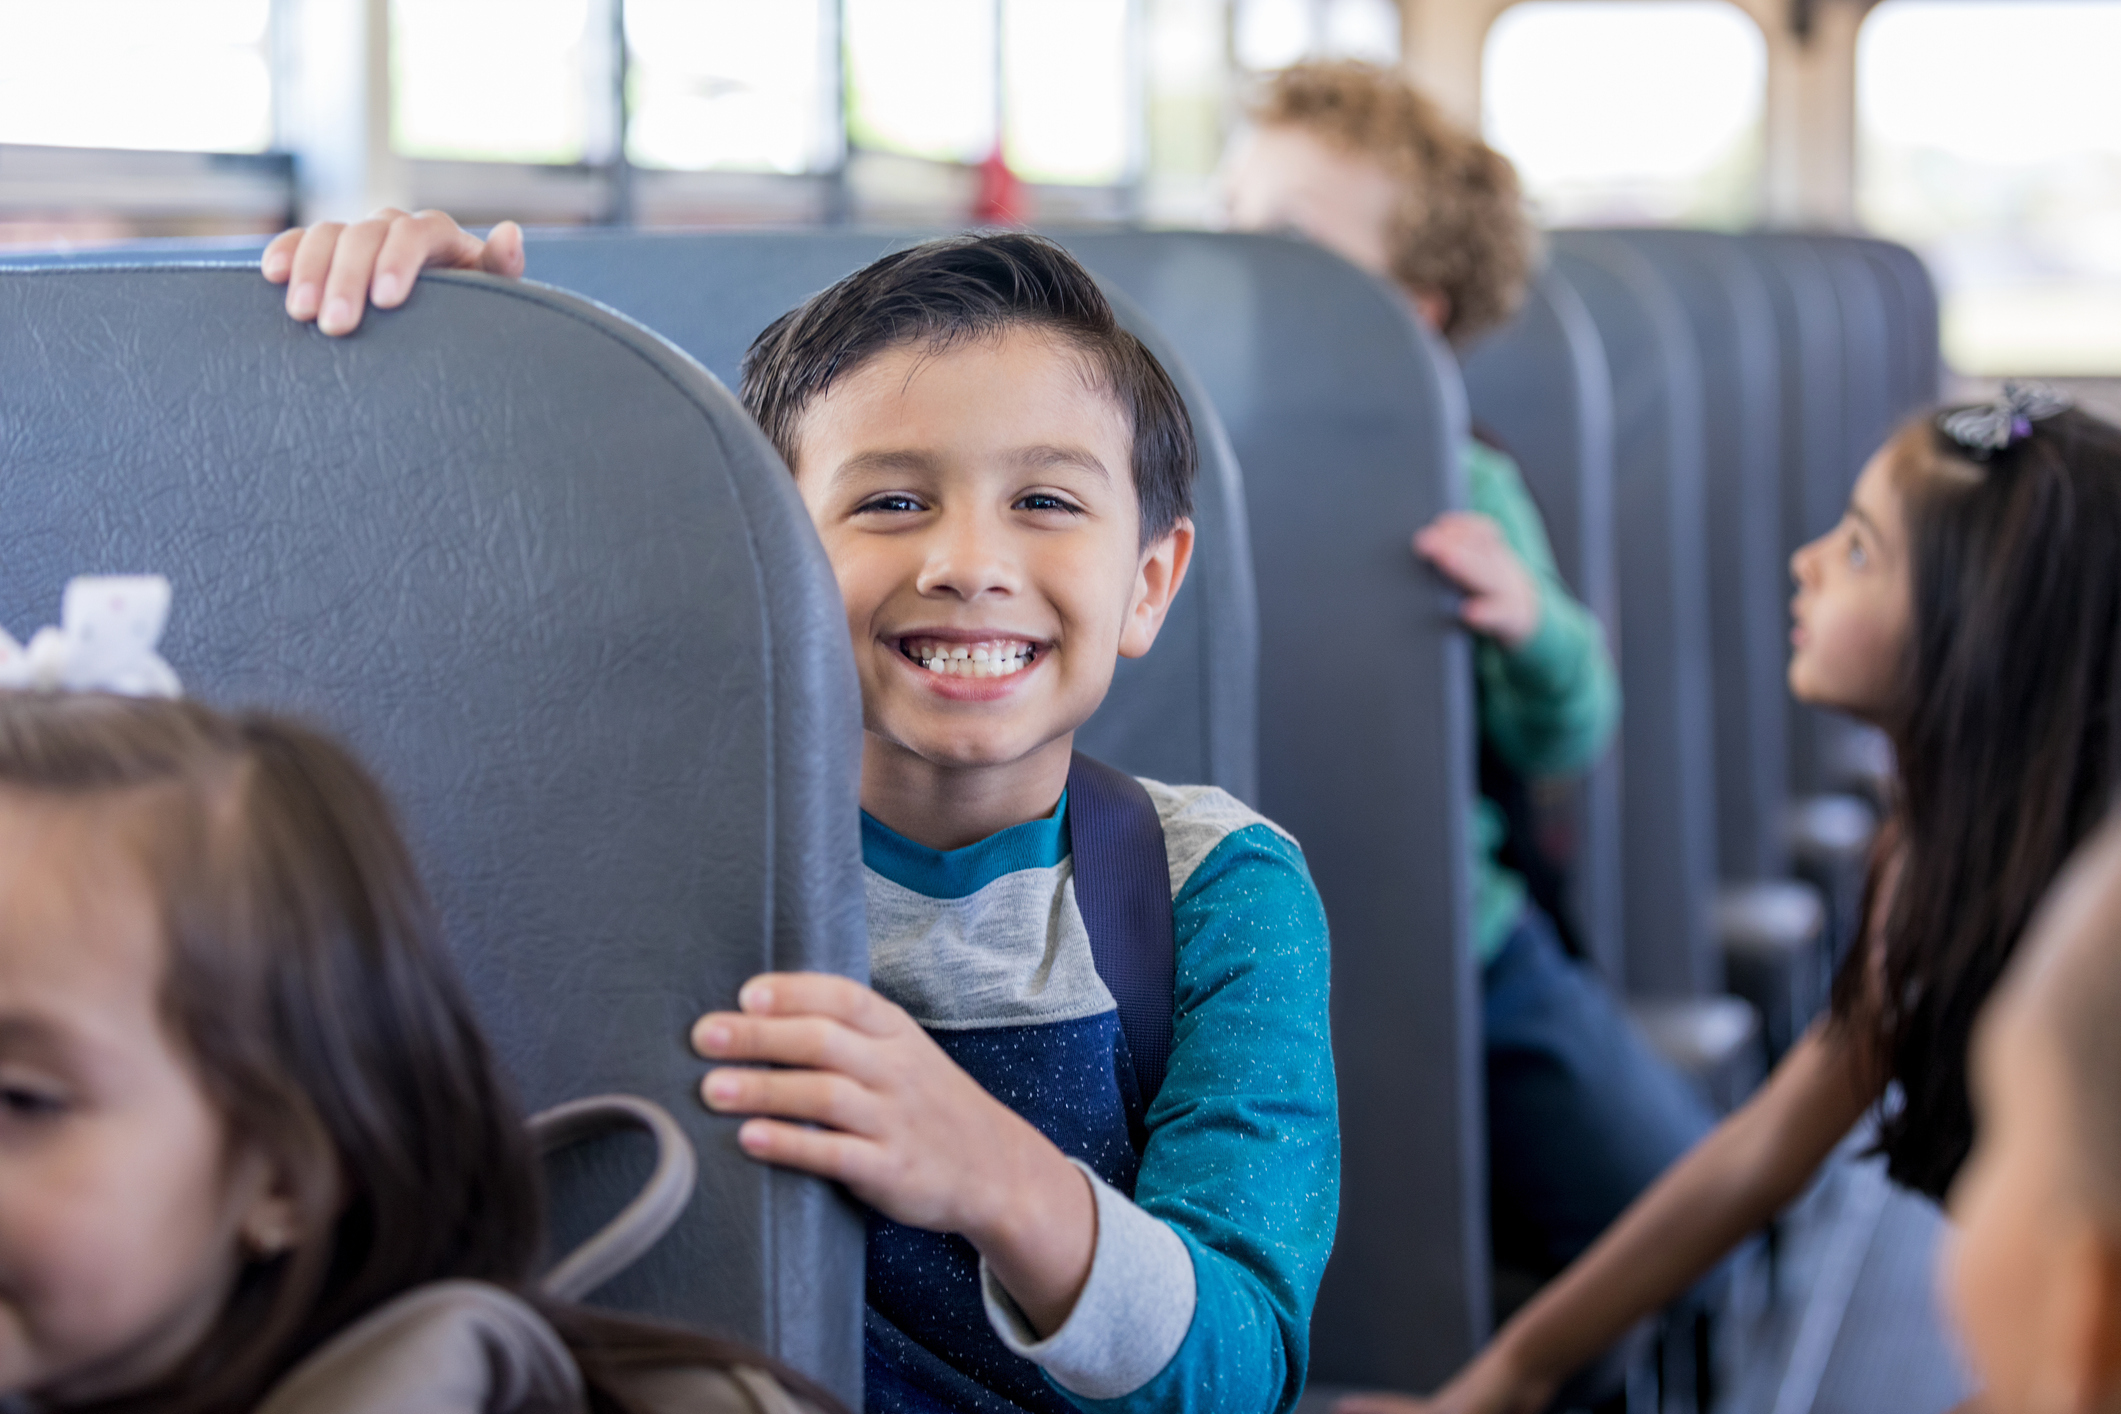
(1156, 583)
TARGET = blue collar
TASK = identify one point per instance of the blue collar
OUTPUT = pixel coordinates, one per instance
(959, 873)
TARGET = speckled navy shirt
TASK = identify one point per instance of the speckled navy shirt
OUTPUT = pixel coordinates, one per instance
(1212, 1237)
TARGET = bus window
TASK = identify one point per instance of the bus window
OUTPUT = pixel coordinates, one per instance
(1629, 111)
(731, 85)
(1069, 106)
(1990, 139)
(920, 77)
(1272, 34)
(493, 80)
(185, 75)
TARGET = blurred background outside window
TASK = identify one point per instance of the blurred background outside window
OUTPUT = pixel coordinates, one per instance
(1989, 138)
(1071, 90)
(1988, 131)
(1630, 112)
(122, 118)
(492, 80)
(1273, 34)
(184, 75)
(731, 85)
(921, 77)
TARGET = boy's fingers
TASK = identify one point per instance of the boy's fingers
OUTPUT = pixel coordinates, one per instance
(503, 252)
(812, 1096)
(353, 263)
(446, 245)
(818, 1151)
(278, 261)
(813, 1042)
(312, 262)
(819, 994)
(409, 246)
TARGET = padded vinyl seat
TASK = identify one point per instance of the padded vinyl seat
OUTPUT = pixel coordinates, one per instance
(1540, 386)
(547, 578)
(1349, 420)
(1775, 954)
(1669, 776)
(1769, 928)
(1831, 837)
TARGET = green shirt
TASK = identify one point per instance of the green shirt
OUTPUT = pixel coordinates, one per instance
(1547, 708)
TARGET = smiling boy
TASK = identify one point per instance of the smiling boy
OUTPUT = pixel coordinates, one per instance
(1001, 476)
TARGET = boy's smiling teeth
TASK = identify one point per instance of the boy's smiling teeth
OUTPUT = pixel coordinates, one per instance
(993, 658)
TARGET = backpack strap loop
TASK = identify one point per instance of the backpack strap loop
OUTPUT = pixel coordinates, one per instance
(1123, 888)
(641, 1223)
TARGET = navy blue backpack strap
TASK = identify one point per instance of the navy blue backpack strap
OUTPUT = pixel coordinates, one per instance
(1123, 887)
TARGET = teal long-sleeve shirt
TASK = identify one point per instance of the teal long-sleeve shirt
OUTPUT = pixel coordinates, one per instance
(1206, 1264)
(1549, 707)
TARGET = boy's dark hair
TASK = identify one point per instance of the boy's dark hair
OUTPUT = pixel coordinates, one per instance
(2008, 739)
(306, 983)
(943, 293)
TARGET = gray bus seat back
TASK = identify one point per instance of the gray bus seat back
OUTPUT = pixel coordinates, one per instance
(1660, 515)
(1866, 331)
(1541, 386)
(1349, 421)
(547, 578)
(1727, 306)
(1812, 352)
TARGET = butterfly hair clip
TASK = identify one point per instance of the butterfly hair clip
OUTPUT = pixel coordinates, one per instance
(105, 642)
(1995, 427)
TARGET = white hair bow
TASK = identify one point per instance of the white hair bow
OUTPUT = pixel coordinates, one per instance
(105, 642)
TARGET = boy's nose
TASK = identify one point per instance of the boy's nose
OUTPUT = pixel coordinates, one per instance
(966, 561)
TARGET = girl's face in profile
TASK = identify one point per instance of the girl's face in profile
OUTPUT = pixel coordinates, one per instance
(125, 1209)
(1854, 606)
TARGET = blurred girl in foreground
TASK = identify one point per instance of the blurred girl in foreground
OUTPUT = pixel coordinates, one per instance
(254, 1154)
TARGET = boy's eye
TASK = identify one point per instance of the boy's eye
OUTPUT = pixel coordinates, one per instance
(1858, 556)
(890, 503)
(1046, 501)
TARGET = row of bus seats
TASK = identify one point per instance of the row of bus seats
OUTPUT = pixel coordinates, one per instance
(1739, 383)
(430, 566)
(1682, 406)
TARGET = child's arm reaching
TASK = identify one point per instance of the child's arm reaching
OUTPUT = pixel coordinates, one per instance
(333, 271)
(908, 1132)
(1746, 1171)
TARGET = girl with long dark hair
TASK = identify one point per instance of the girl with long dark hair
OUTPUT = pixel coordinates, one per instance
(254, 1152)
(1969, 603)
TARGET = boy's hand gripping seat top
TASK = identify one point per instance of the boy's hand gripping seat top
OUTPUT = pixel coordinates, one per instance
(546, 576)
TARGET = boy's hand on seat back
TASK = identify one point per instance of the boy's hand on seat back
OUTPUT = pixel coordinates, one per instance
(1502, 598)
(333, 271)
(904, 1128)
